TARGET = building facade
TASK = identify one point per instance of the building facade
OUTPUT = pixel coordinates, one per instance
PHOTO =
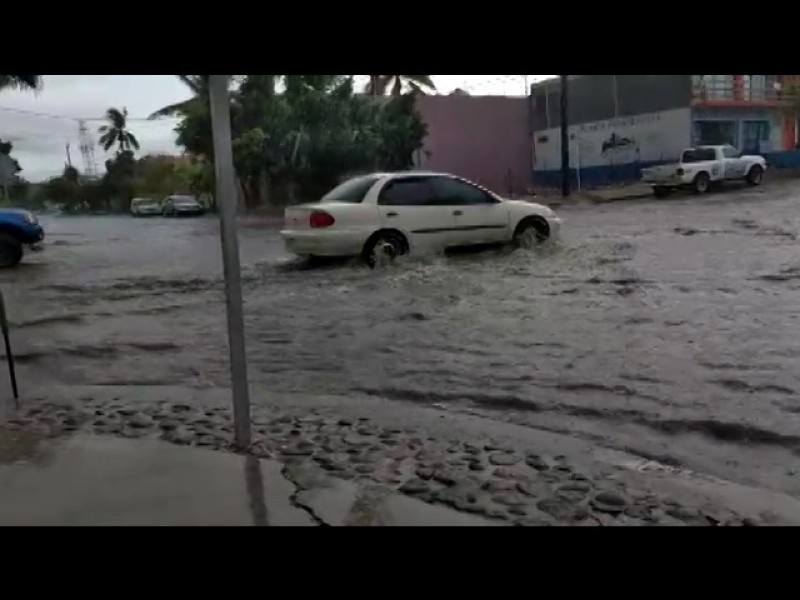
(622, 123)
(486, 139)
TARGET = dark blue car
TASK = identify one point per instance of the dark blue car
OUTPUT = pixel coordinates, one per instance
(19, 228)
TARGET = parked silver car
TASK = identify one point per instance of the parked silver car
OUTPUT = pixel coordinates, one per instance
(180, 206)
(145, 207)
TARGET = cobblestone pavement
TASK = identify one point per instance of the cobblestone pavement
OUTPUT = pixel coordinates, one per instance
(485, 477)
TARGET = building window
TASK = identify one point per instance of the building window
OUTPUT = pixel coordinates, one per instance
(716, 87)
(761, 87)
(715, 132)
(755, 136)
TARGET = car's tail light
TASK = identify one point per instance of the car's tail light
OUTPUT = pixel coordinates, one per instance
(319, 219)
(679, 172)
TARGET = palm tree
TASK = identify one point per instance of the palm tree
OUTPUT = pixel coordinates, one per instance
(198, 84)
(21, 82)
(378, 84)
(115, 131)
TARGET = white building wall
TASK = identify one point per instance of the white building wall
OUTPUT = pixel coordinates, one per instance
(644, 138)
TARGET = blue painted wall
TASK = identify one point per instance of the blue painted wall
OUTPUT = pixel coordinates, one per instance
(596, 176)
(607, 175)
(787, 159)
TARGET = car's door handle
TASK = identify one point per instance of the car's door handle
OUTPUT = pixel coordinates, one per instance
(457, 213)
(391, 214)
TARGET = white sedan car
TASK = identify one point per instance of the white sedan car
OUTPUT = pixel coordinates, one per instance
(383, 215)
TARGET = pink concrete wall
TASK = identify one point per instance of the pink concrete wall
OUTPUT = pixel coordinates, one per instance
(485, 139)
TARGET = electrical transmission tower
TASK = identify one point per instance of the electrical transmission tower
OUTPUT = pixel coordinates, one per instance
(87, 151)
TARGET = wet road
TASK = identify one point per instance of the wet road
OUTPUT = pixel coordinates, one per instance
(665, 329)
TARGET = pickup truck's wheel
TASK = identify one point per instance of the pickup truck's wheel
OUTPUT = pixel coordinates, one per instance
(755, 175)
(383, 247)
(10, 251)
(661, 191)
(701, 183)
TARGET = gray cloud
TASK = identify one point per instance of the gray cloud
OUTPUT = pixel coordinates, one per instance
(39, 141)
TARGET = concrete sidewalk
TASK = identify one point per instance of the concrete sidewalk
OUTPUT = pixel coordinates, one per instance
(615, 193)
(97, 480)
(633, 191)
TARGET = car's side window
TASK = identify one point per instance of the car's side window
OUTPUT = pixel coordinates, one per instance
(730, 152)
(454, 192)
(408, 191)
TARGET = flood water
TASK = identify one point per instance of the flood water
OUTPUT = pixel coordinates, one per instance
(668, 329)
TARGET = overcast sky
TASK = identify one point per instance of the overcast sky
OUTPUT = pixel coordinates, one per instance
(39, 141)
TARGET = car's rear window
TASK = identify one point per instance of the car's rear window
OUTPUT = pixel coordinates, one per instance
(351, 191)
(698, 155)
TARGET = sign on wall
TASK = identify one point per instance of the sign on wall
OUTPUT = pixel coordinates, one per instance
(640, 138)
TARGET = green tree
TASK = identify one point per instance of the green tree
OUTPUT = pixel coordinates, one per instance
(198, 85)
(119, 180)
(158, 175)
(6, 148)
(297, 143)
(65, 189)
(401, 132)
(116, 132)
(71, 174)
(194, 131)
(198, 177)
(378, 85)
(21, 82)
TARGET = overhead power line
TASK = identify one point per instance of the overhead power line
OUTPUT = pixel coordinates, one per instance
(53, 116)
(86, 142)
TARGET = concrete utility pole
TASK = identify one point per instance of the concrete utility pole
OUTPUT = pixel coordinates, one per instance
(226, 202)
(564, 139)
(8, 169)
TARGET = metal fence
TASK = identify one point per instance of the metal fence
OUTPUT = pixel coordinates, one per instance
(744, 88)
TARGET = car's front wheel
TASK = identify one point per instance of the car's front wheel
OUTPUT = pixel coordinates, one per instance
(531, 232)
(383, 248)
(10, 251)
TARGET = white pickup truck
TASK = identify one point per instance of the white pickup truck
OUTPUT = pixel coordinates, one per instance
(701, 167)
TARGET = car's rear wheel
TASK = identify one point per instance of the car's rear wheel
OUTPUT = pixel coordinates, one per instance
(10, 251)
(755, 175)
(531, 232)
(701, 183)
(383, 248)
